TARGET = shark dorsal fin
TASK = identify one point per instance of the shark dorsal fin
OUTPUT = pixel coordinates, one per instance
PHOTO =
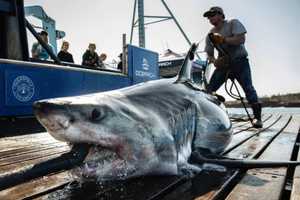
(185, 71)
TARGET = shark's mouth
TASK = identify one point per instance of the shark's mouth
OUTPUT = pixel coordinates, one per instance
(103, 164)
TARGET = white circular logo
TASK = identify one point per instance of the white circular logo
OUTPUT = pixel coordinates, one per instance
(23, 88)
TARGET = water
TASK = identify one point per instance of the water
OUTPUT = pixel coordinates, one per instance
(273, 110)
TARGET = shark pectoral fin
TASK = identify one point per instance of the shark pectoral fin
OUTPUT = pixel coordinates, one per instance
(196, 157)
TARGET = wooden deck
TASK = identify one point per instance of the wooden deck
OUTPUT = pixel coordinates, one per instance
(278, 140)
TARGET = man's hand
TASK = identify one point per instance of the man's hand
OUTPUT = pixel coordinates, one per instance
(222, 62)
(217, 38)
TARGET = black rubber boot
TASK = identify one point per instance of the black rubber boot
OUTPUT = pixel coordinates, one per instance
(257, 123)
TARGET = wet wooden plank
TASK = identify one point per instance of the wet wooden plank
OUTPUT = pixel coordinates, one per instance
(34, 136)
(295, 195)
(29, 149)
(248, 126)
(241, 125)
(7, 169)
(256, 143)
(133, 189)
(249, 149)
(201, 191)
(296, 182)
(17, 158)
(29, 161)
(18, 142)
(268, 183)
(242, 137)
(238, 123)
(35, 187)
(19, 152)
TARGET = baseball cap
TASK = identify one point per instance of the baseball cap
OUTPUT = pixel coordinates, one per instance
(214, 10)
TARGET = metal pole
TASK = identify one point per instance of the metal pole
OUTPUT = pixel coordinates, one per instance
(175, 20)
(141, 23)
(124, 55)
(133, 21)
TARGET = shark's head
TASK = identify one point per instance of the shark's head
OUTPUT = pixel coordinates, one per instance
(118, 131)
(67, 118)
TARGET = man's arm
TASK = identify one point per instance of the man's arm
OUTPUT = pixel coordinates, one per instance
(236, 39)
(238, 31)
(85, 60)
(209, 49)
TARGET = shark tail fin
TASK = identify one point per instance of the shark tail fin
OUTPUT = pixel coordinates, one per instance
(186, 68)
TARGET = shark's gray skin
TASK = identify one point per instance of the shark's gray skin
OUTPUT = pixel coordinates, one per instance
(149, 128)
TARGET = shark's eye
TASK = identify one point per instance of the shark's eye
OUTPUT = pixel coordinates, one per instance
(95, 114)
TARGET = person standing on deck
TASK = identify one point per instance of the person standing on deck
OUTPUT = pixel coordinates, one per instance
(63, 54)
(120, 64)
(38, 51)
(228, 37)
(90, 57)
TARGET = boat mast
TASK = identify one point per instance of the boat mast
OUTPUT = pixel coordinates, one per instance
(141, 21)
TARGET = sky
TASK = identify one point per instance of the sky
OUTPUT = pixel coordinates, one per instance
(272, 38)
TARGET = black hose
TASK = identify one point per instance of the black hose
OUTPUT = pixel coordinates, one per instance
(64, 162)
(237, 97)
(231, 92)
(242, 164)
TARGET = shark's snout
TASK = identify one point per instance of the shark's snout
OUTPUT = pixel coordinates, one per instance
(44, 107)
(52, 116)
(39, 108)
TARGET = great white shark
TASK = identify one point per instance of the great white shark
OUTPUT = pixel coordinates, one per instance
(149, 128)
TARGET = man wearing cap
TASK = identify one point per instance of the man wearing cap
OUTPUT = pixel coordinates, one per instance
(228, 37)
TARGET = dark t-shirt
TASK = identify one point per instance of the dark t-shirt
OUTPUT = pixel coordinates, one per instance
(65, 57)
(90, 59)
